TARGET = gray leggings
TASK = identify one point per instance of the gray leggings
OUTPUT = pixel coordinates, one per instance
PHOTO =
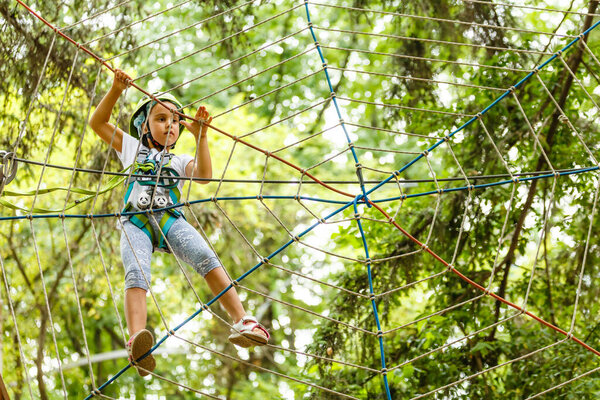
(186, 243)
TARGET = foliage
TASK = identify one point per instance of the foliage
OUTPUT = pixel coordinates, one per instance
(490, 235)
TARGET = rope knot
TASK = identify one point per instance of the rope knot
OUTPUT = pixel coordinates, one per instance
(425, 153)
(379, 333)
(384, 371)
(356, 215)
(372, 296)
(234, 283)
(569, 335)
(265, 260)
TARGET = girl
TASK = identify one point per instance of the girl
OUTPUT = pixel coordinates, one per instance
(153, 132)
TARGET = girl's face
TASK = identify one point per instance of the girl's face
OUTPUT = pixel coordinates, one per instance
(163, 124)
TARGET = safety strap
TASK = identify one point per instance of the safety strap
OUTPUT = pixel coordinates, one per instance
(144, 166)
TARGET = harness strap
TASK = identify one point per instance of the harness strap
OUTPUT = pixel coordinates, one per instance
(145, 166)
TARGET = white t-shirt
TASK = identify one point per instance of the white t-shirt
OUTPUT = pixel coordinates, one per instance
(128, 155)
(131, 146)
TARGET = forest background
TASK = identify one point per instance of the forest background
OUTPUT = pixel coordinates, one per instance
(526, 242)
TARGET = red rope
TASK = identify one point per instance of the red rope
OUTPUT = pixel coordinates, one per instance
(265, 152)
(478, 286)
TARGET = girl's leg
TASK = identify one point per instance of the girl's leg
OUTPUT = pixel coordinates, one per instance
(137, 275)
(189, 246)
(218, 280)
(135, 309)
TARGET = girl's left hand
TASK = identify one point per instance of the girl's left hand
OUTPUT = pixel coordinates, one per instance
(201, 115)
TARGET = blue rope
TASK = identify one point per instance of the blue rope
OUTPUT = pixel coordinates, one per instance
(218, 296)
(357, 164)
(341, 202)
(486, 109)
(373, 304)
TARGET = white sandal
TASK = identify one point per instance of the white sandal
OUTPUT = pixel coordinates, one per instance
(243, 333)
(138, 345)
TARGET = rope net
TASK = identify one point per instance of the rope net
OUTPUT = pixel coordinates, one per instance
(405, 196)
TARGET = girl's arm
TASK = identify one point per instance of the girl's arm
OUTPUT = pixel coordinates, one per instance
(203, 166)
(99, 121)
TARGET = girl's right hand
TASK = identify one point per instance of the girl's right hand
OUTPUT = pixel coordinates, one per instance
(122, 80)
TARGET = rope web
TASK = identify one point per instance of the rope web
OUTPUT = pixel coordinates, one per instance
(315, 177)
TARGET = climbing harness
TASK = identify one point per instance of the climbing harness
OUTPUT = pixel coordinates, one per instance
(146, 191)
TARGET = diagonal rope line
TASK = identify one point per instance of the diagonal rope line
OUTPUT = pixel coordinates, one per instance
(564, 383)
(451, 21)
(137, 22)
(433, 60)
(415, 78)
(443, 42)
(99, 13)
(490, 369)
(544, 9)
(178, 31)
(221, 41)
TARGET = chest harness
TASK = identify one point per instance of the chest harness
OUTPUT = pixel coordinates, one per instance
(147, 191)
